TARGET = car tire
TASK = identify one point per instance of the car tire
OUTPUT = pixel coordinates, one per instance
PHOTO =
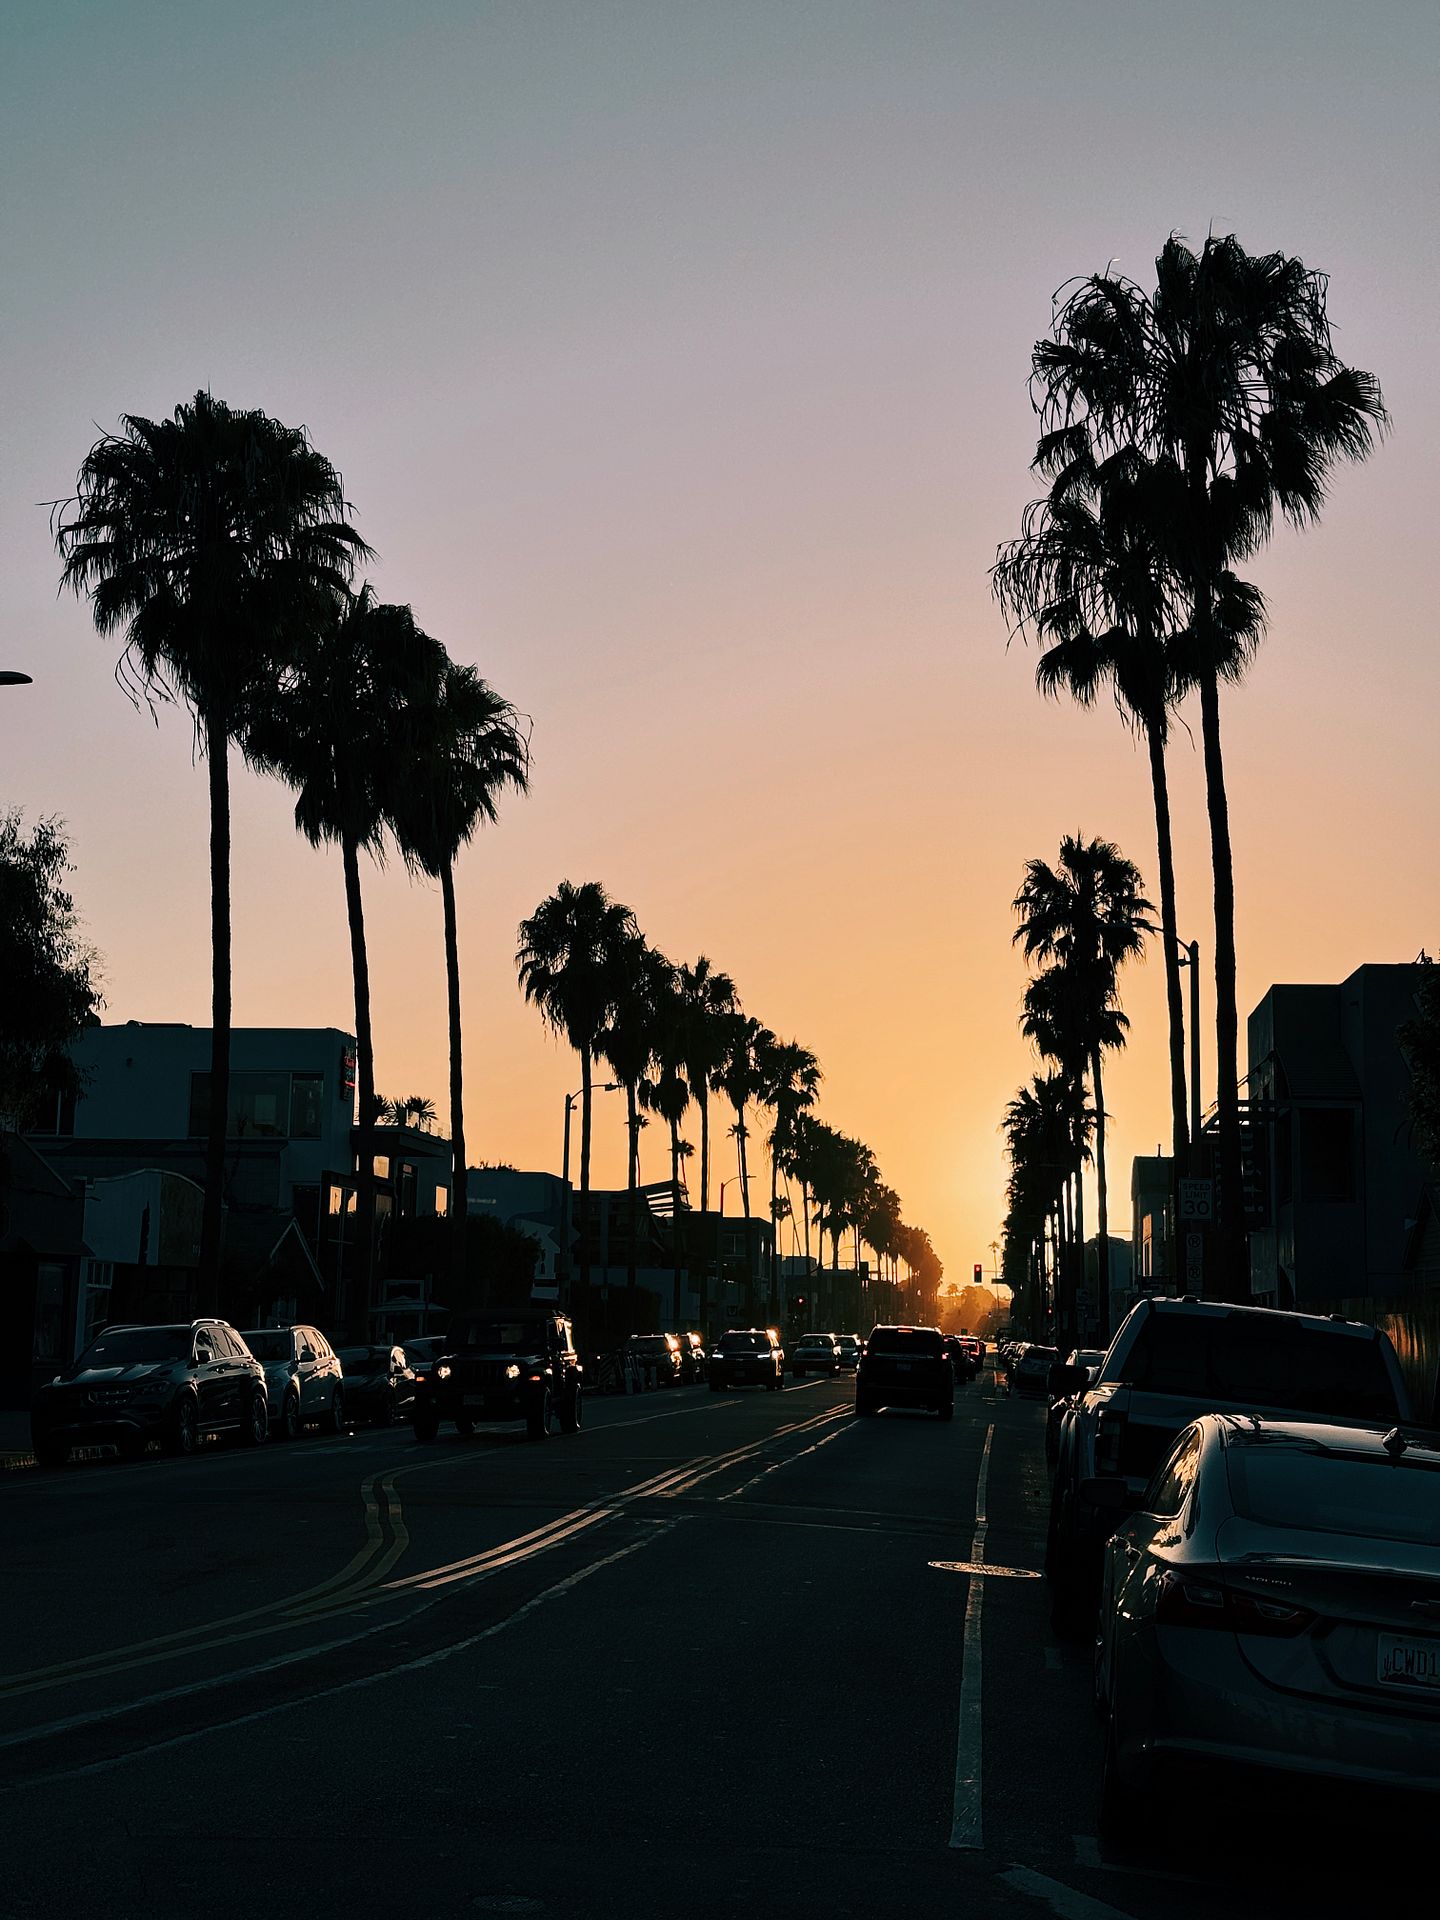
(1129, 1819)
(182, 1436)
(864, 1406)
(289, 1428)
(255, 1426)
(51, 1453)
(716, 1387)
(540, 1420)
(426, 1427)
(335, 1419)
(947, 1410)
(464, 1425)
(572, 1414)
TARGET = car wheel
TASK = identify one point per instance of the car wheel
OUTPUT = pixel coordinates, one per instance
(426, 1426)
(573, 1412)
(464, 1426)
(51, 1453)
(290, 1417)
(1072, 1605)
(184, 1435)
(255, 1427)
(1129, 1818)
(864, 1405)
(947, 1410)
(538, 1422)
(335, 1421)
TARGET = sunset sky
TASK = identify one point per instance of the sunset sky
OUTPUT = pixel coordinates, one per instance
(675, 360)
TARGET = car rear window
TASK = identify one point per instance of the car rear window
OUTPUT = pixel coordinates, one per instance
(1252, 1363)
(905, 1340)
(1320, 1491)
(267, 1345)
(744, 1343)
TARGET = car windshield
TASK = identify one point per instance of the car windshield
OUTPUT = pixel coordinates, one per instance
(1251, 1362)
(498, 1336)
(816, 1340)
(268, 1344)
(905, 1340)
(128, 1346)
(744, 1343)
(1323, 1491)
(364, 1359)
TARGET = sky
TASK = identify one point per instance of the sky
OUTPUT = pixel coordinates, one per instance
(674, 357)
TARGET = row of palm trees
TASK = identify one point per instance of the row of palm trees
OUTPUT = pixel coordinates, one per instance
(217, 545)
(1081, 919)
(674, 1035)
(1177, 422)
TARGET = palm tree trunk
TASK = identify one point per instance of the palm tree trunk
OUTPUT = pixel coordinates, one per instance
(587, 1090)
(675, 1220)
(744, 1172)
(1232, 1281)
(1102, 1265)
(217, 750)
(459, 1214)
(1169, 934)
(633, 1121)
(774, 1233)
(704, 1149)
(365, 1076)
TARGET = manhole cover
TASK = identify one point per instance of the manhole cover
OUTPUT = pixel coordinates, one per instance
(984, 1567)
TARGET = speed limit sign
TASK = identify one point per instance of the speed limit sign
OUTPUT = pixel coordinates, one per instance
(1197, 1201)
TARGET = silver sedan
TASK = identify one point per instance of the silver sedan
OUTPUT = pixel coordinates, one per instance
(1275, 1604)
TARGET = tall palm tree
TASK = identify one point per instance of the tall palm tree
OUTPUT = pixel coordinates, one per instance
(208, 540)
(789, 1081)
(666, 1092)
(464, 747)
(327, 727)
(1229, 370)
(565, 960)
(707, 999)
(1089, 913)
(738, 1078)
(641, 979)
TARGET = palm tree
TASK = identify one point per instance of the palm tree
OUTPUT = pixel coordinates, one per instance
(738, 1078)
(1090, 914)
(208, 540)
(789, 1081)
(1228, 369)
(666, 1092)
(627, 1042)
(565, 959)
(707, 999)
(327, 727)
(464, 747)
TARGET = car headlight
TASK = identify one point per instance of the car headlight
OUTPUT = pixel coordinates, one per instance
(512, 1372)
(442, 1372)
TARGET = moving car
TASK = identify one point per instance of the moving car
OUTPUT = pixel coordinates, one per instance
(1171, 1361)
(851, 1347)
(379, 1383)
(961, 1359)
(516, 1363)
(1030, 1376)
(747, 1357)
(131, 1385)
(815, 1353)
(303, 1379)
(905, 1367)
(658, 1357)
(1273, 1602)
(692, 1357)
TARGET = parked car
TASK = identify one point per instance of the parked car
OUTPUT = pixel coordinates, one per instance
(960, 1359)
(747, 1357)
(976, 1348)
(379, 1384)
(1272, 1602)
(131, 1385)
(692, 1357)
(905, 1367)
(657, 1355)
(1030, 1376)
(1060, 1402)
(815, 1353)
(303, 1378)
(1171, 1361)
(515, 1364)
(851, 1347)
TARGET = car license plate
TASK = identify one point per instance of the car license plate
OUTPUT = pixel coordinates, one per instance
(903, 1366)
(474, 1400)
(1403, 1662)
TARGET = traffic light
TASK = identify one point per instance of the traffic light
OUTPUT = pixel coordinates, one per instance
(979, 1271)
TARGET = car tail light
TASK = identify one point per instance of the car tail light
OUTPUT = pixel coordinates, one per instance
(1198, 1600)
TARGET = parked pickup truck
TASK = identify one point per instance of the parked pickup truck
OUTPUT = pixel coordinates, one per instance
(1171, 1361)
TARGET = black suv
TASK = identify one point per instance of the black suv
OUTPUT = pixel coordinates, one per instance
(135, 1384)
(516, 1363)
(905, 1367)
(1171, 1361)
(748, 1357)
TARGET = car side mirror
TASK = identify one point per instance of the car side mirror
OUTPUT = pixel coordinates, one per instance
(1065, 1380)
(1109, 1495)
(203, 1357)
(307, 1353)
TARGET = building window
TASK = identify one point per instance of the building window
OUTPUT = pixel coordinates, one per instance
(307, 1095)
(442, 1200)
(259, 1106)
(1327, 1153)
(57, 1115)
(382, 1166)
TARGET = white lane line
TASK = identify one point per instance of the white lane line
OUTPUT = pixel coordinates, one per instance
(1060, 1899)
(966, 1828)
(417, 1665)
(788, 1461)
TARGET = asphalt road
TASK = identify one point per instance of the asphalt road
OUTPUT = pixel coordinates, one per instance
(696, 1660)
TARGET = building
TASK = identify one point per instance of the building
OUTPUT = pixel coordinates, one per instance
(43, 1258)
(1152, 1236)
(1343, 1205)
(540, 1204)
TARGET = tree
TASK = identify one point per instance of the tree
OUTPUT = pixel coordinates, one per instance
(565, 960)
(1089, 914)
(463, 747)
(707, 999)
(208, 541)
(1228, 370)
(641, 978)
(789, 1081)
(666, 1092)
(738, 1078)
(329, 726)
(50, 992)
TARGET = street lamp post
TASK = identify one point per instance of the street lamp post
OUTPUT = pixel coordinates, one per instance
(609, 1086)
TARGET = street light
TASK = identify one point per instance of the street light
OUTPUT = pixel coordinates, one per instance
(609, 1086)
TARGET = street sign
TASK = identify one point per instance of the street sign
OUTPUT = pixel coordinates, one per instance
(1194, 1259)
(1197, 1201)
